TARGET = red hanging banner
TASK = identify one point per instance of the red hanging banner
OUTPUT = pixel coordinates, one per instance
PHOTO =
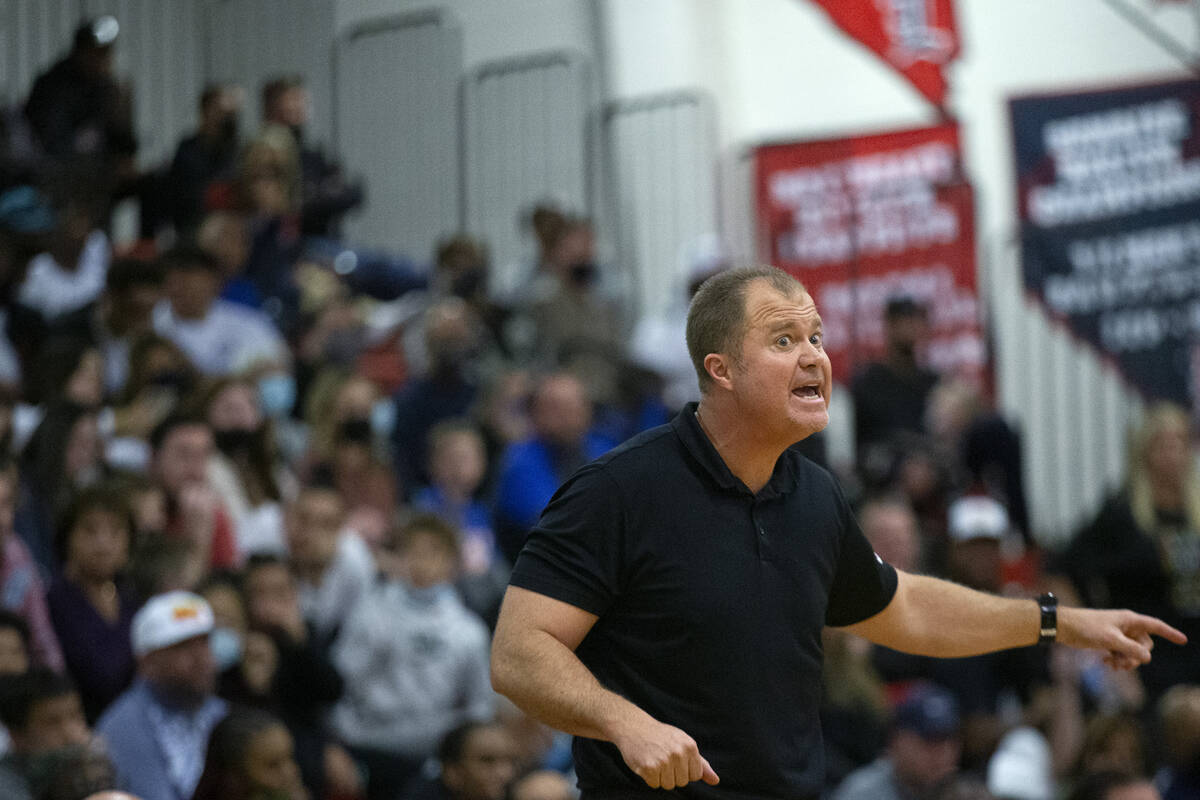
(864, 219)
(918, 38)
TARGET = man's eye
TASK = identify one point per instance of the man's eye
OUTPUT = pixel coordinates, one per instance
(815, 340)
(783, 341)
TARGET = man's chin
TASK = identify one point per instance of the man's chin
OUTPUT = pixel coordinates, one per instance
(813, 422)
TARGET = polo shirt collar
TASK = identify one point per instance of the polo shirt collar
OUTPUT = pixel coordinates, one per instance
(696, 442)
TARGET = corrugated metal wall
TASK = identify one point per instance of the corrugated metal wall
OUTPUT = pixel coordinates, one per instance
(660, 158)
(251, 41)
(526, 140)
(396, 88)
(1074, 411)
(161, 49)
(171, 48)
(33, 35)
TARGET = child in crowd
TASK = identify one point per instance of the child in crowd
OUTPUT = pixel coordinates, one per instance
(415, 660)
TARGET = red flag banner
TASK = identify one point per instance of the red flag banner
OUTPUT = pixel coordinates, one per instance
(865, 219)
(916, 37)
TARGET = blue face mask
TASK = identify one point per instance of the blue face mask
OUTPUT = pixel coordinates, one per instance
(383, 418)
(226, 646)
(429, 595)
(278, 393)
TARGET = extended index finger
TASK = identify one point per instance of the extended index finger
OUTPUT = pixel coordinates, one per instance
(1161, 629)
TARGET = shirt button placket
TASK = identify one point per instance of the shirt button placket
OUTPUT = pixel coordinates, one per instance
(761, 539)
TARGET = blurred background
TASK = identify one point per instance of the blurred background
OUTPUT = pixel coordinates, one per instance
(644, 116)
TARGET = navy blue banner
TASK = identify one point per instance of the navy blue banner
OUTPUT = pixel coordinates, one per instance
(1108, 187)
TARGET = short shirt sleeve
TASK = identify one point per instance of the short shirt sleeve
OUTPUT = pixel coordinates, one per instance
(573, 554)
(863, 583)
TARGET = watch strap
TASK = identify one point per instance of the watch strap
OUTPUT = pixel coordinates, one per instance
(1048, 604)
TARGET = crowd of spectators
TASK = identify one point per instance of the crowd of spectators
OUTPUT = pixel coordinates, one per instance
(260, 491)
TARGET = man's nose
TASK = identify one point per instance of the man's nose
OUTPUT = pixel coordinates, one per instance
(808, 354)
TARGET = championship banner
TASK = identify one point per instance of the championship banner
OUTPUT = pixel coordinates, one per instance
(1108, 192)
(863, 220)
(916, 37)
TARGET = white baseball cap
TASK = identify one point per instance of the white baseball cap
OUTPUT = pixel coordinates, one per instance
(168, 619)
(1021, 767)
(977, 516)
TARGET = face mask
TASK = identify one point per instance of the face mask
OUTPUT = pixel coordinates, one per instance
(235, 441)
(229, 128)
(343, 346)
(174, 379)
(88, 476)
(468, 283)
(74, 767)
(430, 595)
(226, 647)
(451, 357)
(583, 273)
(383, 418)
(277, 393)
(356, 430)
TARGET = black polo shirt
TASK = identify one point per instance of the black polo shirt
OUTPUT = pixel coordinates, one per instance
(710, 600)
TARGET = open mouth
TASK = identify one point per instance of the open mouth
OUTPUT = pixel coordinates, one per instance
(811, 391)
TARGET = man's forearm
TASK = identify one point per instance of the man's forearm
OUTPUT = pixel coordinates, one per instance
(934, 617)
(548, 681)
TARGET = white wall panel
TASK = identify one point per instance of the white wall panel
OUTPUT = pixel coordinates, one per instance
(1073, 410)
(662, 171)
(33, 35)
(251, 41)
(160, 49)
(397, 107)
(526, 141)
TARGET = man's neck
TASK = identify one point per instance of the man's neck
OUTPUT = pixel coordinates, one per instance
(745, 452)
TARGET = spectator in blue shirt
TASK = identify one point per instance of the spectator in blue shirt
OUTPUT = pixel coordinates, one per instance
(563, 440)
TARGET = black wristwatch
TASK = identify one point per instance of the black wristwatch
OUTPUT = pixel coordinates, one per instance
(1048, 603)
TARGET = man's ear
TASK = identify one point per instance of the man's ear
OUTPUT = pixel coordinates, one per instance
(717, 367)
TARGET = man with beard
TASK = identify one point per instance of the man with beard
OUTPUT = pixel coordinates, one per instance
(158, 729)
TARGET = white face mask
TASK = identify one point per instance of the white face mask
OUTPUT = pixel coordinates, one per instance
(430, 595)
(383, 418)
(226, 645)
(277, 392)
